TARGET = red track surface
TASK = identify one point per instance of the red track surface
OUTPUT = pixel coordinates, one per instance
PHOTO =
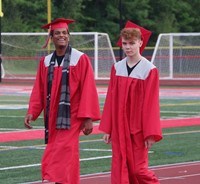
(185, 173)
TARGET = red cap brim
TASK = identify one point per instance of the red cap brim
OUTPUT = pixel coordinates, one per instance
(145, 35)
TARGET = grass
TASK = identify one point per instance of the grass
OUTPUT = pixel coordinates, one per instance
(20, 160)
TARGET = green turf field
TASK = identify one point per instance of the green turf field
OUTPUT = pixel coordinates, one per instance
(20, 160)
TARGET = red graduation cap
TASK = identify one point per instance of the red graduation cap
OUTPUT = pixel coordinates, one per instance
(145, 35)
(58, 23)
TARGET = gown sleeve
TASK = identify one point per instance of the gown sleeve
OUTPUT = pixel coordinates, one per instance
(89, 103)
(36, 103)
(151, 107)
(106, 119)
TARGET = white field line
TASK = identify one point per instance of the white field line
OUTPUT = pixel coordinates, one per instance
(9, 129)
(21, 130)
(175, 165)
(8, 100)
(178, 177)
(181, 112)
(103, 150)
(15, 116)
(180, 104)
(35, 165)
(177, 118)
(6, 148)
(186, 132)
(16, 129)
(19, 167)
(13, 106)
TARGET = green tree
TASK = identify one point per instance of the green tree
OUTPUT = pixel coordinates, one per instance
(188, 16)
(23, 15)
(68, 9)
(174, 16)
(104, 15)
(11, 21)
(162, 16)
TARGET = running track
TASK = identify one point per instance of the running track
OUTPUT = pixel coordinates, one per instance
(184, 173)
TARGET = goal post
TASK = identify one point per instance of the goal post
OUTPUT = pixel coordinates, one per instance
(177, 56)
(21, 53)
(2, 71)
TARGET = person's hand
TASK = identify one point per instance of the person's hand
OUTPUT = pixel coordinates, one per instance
(28, 121)
(87, 126)
(107, 138)
(149, 142)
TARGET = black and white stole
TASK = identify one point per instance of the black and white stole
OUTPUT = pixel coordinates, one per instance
(63, 116)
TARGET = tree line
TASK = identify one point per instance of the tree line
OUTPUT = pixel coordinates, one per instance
(109, 16)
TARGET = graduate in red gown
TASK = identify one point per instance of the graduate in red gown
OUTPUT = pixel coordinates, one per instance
(65, 90)
(131, 114)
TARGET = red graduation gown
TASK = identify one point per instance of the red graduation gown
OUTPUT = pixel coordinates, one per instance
(131, 114)
(60, 162)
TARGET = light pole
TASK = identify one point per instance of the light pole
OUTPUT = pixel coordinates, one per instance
(49, 10)
(1, 15)
(48, 17)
